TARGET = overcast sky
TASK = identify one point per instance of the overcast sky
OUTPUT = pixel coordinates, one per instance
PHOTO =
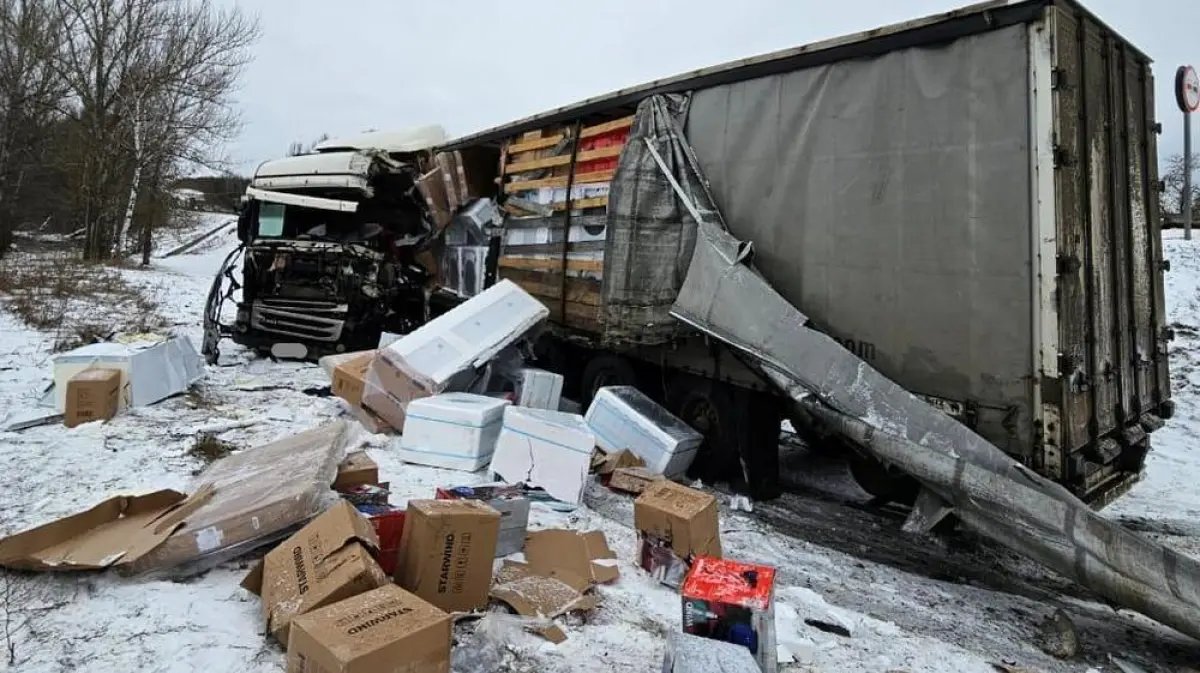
(344, 66)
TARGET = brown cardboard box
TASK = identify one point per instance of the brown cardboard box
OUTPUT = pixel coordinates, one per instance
(327, 561)
(446, 552)
(349, 378)
(387, 629)
(388, 391)
(92, 395)
(680, 516)
(356, 469)
(586, 556)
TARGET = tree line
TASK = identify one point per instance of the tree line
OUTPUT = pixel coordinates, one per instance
(104, 105)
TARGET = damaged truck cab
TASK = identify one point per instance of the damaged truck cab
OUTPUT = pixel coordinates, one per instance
(329, 247)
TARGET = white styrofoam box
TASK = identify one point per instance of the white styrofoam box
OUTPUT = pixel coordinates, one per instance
(456, 431)
(151, 371)
(540, 389)
(545, 448)
(466, 336)
(624, 418)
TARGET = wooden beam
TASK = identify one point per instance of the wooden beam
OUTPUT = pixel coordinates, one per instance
(531, 145)
(548, 264)
(559, 181)
(552, 140)
(596, 202)
(592, 131)
(563, 160)
(576, 294)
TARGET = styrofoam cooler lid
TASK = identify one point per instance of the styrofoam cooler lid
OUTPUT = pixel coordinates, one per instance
(635, 400)
(466, 408)
(541, 423)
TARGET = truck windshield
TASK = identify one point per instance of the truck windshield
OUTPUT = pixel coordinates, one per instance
(270, 220)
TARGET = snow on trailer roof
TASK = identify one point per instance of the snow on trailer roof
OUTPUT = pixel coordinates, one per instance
(404, 141)
(947, 26)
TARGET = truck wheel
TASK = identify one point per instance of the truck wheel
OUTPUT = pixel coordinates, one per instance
(605, 370)
(881, 482)
(741, 441)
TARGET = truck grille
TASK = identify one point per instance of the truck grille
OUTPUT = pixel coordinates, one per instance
(314, 320)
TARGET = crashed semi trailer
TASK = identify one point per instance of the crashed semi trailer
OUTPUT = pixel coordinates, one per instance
(967, 202)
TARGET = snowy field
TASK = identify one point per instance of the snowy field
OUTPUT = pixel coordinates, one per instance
(901, 617)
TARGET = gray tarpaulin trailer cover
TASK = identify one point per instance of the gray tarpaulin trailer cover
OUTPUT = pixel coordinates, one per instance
(968, 202)
(973, 196)
(726, 297)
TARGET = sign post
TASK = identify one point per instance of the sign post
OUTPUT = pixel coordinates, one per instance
(1187, 96)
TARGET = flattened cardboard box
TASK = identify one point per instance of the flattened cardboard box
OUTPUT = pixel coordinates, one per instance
(238, 502)
(387, 629)
(329, 560)
(356, 469)
(446, 552)
(685, 518)
(633, 479)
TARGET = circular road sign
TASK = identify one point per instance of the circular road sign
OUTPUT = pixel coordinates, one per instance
(1187, 88)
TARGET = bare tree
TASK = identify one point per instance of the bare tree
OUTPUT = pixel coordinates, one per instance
(151, 82)
(1173, 177)
(30, 95)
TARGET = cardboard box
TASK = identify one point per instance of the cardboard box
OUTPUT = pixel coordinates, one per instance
(571, 555)
(385, 629)
(675, 524)
(733, 602)
(455, 431)
(356, 469)
(513, 508)
(387, 391)
(632, 479)
(446, 552)
(543, 448)
(328, 561)
(238, 503)
(92, 395)
(349, 378)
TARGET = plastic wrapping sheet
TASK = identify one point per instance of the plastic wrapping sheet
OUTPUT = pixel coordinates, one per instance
(252, 498)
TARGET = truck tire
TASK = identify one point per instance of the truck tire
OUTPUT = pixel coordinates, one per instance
(741, 434)
(605, 370)
(881, 482)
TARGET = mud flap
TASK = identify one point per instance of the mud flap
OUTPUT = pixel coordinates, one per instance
(928, 511)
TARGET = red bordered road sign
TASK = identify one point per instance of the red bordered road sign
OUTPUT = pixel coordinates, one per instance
(1187, 88)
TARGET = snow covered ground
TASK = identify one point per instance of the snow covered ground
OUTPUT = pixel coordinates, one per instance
(916, 617)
